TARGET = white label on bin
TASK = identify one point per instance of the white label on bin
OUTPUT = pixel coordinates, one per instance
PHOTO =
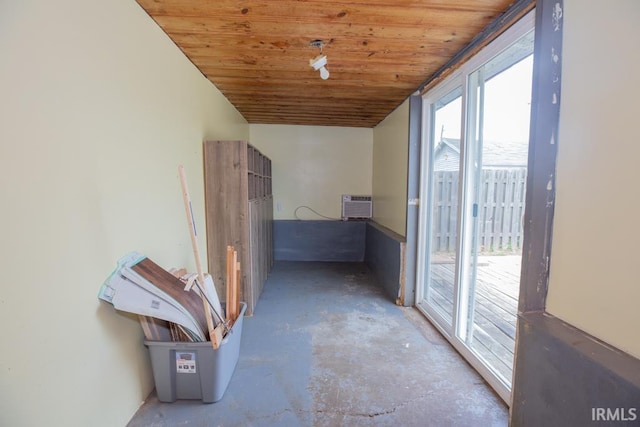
(185, 362)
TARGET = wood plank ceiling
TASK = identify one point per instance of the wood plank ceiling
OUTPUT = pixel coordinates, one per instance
(378, 51)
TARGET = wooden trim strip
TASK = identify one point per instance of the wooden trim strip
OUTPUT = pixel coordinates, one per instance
(486, 36)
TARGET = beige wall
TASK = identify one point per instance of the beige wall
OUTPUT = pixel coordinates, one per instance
(97, 109)
(594, 281)
(314, 166)
(390, 157)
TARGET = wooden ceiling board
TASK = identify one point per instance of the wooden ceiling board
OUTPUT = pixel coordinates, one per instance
(371, 77)
(378, 51)
(212, 26)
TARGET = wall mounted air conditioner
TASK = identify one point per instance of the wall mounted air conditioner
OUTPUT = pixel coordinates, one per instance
(356, 207)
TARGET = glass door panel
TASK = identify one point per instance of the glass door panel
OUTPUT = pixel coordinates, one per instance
(443, 162)
(497, 134)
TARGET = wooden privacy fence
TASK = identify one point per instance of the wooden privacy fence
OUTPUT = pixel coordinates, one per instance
(500, 210)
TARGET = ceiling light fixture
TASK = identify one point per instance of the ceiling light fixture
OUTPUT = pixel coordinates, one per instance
(319, 62)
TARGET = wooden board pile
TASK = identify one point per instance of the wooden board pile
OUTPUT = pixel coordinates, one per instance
(173, 305)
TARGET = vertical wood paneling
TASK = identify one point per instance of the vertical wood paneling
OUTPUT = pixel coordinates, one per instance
(235, 197)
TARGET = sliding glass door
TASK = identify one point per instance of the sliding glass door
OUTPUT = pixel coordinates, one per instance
(474, 165)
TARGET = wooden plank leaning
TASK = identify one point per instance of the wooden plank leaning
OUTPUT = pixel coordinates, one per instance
(231, 288)
(215, 332)
(233, 283)
(236, 299)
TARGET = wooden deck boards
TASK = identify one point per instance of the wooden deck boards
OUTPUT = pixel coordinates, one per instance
(496, 305)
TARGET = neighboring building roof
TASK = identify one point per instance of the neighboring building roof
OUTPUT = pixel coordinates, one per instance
(447, 157)
(495, 154)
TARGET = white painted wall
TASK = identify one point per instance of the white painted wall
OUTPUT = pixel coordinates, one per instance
(594, 282)
(97, 109)
(314, 165)
(390, 163)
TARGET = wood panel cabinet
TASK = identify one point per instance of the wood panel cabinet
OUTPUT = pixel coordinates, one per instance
(239, 212)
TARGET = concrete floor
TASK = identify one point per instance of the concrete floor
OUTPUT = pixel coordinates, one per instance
(327, 347)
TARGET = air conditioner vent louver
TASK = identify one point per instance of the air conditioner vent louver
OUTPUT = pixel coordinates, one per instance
(356, 207)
